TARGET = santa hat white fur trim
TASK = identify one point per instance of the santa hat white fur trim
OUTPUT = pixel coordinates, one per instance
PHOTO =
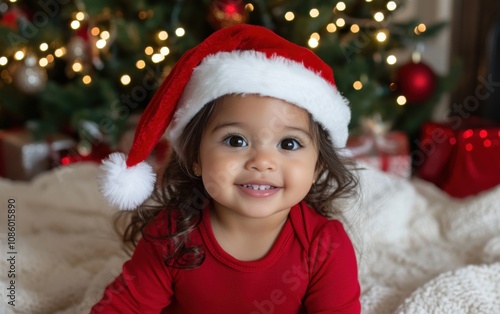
(252, 72)
(125, 187)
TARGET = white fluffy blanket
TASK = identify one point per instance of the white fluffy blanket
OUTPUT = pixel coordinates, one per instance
(419, 251)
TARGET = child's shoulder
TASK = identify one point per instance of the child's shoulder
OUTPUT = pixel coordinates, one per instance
(310, 225)
(311, 219)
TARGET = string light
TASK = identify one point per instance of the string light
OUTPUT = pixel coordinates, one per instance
(249, 7)
(163, 35)
(95, 31)
(43, 62)
(289, 16)
(105, 35)
(420, 28)
(391, 59)
(44, 46)
(354, 28)
(3, 60)
(368, 0)
(77, 66)
(340, 22)
(164, 51)
(357, 85)
(314, 13)
(331, 28)
(80, 16)
(140, 64)
(401, 100)
(157, 57)
(125, 79)
(391, 6)
(86, 79)
(19, 55)
(60, 52)
(379, 16)
(101, 43)
(340, 6)
(381, 36)
(50, 58)
(313, 42)
(149, 50)
(315, 36)
(75, 24)
(180, 32)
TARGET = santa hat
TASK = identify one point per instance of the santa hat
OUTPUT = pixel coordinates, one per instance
(242, 59)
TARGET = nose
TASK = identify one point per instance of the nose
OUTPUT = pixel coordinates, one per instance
(261, 160)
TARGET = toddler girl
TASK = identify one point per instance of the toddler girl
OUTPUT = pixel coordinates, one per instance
(241, 220)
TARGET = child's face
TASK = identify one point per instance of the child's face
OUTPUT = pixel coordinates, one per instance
(257, 156)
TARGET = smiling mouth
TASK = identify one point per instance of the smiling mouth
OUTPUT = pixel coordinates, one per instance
(258, 187)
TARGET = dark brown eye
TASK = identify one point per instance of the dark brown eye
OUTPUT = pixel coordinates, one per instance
(235, 141)
(289, 144)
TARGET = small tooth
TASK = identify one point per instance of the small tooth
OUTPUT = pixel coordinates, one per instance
(258, 187)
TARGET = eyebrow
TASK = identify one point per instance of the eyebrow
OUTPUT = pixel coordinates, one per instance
(292, 128)
(240, 124)
(225, 125)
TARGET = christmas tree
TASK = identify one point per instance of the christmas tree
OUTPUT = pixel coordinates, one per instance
(82, 67)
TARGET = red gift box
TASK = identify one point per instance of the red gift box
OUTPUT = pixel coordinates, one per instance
(460, 157)
(389, 152)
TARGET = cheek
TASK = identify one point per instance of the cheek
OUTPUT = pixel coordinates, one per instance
(218, 173)
(301, 171)
(220, 162)
(219, 169)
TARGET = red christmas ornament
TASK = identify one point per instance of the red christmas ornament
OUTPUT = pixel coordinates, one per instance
(226, 13)
(83, 32)
(416, 81)
(10, 18)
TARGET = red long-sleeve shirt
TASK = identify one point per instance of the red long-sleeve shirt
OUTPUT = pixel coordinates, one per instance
(311, 268)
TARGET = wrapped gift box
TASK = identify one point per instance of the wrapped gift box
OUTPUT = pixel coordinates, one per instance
(21, 158)
(389, 152)
(461, 157)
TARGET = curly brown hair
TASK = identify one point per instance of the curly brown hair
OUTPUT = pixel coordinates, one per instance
(182, 196)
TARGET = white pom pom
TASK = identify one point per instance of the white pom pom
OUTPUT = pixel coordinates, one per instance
(125, 187)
